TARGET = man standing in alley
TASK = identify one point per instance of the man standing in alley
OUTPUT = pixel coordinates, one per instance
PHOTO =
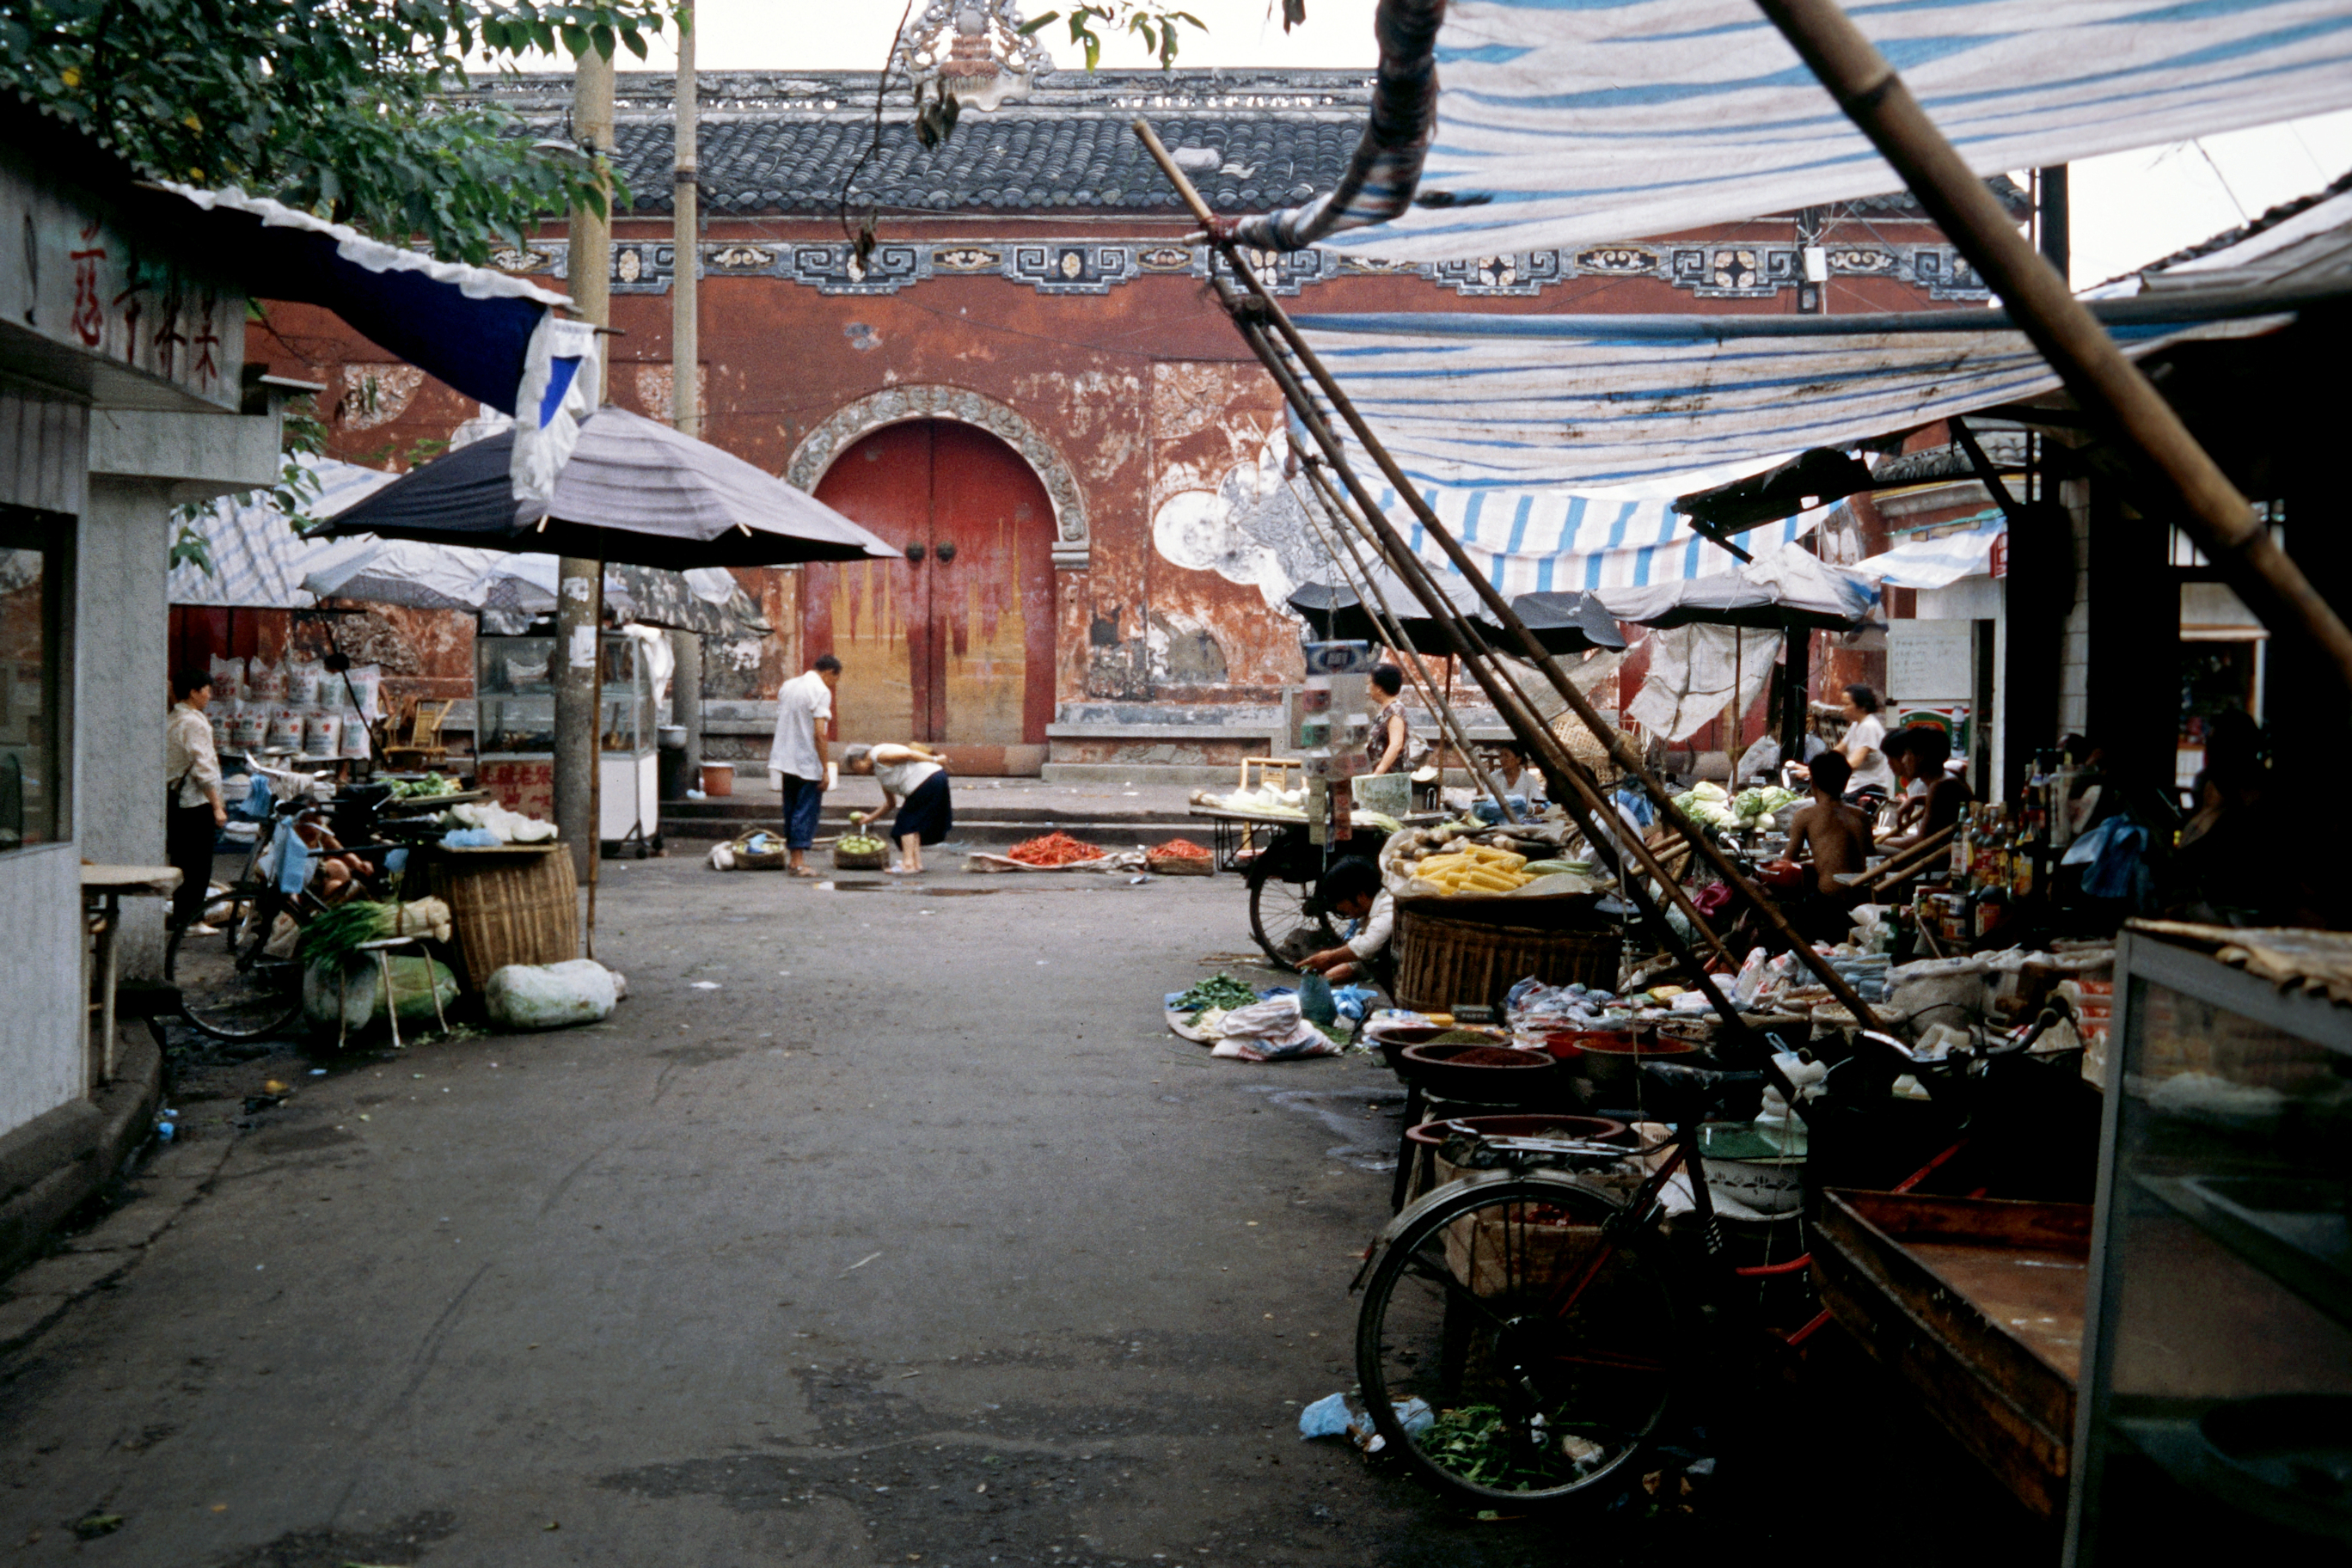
(803, 707)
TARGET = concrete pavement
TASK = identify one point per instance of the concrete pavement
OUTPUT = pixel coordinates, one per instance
(882, 1226)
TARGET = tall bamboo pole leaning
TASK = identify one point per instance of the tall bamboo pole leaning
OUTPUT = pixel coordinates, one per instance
(578, 605)
(1588, 807)
(2179, 481)
(686, 356)
(1534, 651)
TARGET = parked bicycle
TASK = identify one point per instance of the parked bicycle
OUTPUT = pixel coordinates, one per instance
(244, 983)
(1528, 1329)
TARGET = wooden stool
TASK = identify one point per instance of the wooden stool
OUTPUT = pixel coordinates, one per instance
(382, 947)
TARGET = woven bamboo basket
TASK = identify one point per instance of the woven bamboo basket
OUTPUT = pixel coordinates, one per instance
(521, 908)
(1443, 965)
(852, 860)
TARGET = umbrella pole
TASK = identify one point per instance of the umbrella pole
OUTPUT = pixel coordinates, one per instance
(596, 763)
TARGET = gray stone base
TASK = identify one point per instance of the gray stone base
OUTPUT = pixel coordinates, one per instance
(1186, 776)
(54, 1162)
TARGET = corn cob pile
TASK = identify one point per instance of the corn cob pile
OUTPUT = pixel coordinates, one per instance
(1465, 866)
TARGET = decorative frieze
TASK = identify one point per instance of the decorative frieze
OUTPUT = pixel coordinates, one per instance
(1729, 270)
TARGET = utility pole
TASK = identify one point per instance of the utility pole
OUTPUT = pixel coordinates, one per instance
(685, 360)
(588, 278)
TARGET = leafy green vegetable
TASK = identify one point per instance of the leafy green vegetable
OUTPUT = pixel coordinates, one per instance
(333, 936)
(1476, 1444)
(1217, 991)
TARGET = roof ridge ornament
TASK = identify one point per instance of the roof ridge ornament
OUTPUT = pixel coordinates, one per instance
(974, 49)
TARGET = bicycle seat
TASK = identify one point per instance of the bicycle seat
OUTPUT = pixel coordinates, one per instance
(1679, 1093)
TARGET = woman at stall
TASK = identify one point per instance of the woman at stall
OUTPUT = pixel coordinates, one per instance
(914, 779)
(1392, 736)
(192, 770)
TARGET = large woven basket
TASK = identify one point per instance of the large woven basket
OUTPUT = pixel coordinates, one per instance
(852, 860)
(518, 908)
(1443, 965)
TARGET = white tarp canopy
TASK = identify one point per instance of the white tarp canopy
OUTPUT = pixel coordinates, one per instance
(1563, 123)
(396, 572)
(1524, 402)
(1941, 562)
(1692, 675)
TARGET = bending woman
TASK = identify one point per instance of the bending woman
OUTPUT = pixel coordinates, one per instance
(915, 780)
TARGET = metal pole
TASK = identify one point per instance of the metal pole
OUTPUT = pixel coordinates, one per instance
(1265, 305)
(686, 355)
(588, 276)
(2177, 480)
(686, 263)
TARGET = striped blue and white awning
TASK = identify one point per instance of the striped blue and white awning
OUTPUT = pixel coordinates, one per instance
(1528, 402)
(1547, 541)
(258, 561)
(1569, 122)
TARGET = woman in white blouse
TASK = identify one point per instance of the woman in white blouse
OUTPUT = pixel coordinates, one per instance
(915, 780)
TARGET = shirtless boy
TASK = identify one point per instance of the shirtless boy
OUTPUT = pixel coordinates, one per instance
(1835, 836)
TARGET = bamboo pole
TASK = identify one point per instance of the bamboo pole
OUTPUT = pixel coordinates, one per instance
(1270, 309)
(1590, 806)
(2182, 481)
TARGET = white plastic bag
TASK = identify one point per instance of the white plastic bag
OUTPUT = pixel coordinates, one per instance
(551, 995)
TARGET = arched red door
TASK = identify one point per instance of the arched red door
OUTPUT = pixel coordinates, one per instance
(951, 644)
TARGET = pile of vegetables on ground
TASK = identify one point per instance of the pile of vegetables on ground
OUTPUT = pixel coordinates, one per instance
(1055, 850)
(1219, 990)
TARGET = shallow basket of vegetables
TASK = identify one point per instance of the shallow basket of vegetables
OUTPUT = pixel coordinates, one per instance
(860, 852)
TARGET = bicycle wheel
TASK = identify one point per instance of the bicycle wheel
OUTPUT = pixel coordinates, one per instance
(1285, 919)
(1510, 1354)
(231, 988)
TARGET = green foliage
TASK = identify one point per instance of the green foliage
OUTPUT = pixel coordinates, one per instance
(334, 106)
(1151, 20)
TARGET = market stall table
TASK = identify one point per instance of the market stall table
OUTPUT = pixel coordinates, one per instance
(103, 889)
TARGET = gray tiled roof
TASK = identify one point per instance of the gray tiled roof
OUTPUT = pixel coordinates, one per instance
(778, 142)
(781, 141)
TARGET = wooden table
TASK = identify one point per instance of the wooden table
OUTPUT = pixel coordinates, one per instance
(103, 889)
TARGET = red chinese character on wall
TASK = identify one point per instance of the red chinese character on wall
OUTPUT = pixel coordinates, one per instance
(89, 319)
(206, 341)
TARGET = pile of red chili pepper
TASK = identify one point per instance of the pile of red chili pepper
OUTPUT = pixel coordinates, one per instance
(1054, 849)
(1179, 849)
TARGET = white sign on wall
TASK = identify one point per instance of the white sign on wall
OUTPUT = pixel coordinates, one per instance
(1931, 661)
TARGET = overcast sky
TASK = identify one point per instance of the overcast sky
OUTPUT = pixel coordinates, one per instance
(2129, 209)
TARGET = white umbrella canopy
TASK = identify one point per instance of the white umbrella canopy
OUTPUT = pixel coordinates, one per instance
(400, 571)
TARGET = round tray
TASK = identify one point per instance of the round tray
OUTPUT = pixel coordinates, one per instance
(1433, 1069)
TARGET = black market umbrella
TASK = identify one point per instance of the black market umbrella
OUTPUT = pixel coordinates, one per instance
(1788, 590)
(632, 492)
(1563, 622)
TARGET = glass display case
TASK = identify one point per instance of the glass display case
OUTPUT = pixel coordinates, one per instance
(514, 732)
(2217, 1400)
(514, 697)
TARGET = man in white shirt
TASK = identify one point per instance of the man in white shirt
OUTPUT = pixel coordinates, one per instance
(1863, 736)
(192, 771)
(797, 759)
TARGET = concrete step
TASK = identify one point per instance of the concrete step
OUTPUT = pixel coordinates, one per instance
(1182, 775)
